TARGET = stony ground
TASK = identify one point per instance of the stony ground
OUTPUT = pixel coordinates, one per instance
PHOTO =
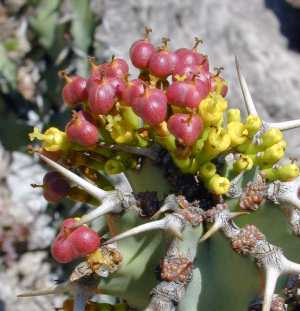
(247, 29)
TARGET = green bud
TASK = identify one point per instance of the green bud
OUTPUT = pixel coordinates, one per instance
(271, 137)
(207, 170)
(113, 166)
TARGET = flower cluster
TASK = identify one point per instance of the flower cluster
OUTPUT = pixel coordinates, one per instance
(176, 102)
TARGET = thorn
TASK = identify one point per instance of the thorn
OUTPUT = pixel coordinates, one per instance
(108, 206)
(120, 182)
(58, 289)
(170, 204)
(285, 193)
(213, 229)
(219, 224)
(245, 91)
(271, 280)
(88, 187)
(290, 266)
(286, 125)
(166, 223)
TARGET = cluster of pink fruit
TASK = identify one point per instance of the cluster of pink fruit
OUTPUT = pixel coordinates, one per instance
(168, 79)
(72, 243)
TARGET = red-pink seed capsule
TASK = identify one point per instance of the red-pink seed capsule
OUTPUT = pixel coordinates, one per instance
(202, 82)
(82, 130)
(186, 128)
(72, 243)
(194, 97)
(134, 89)
(62, 250)
(200, 59)
(152, 106)
(141, 52)
(84, 240)
(118, 68)
(55, 187)
(188, 71)
(177, 93)
(162, 63)
(101, 97)
(75, 91)
(118, 85)
(186, 56)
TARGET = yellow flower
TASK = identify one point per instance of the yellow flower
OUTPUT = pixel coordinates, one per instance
(271, 137)
(218, 185)
(218, 141)
(272, 154)
(288, 172)
(244, 163)
(211, 110)
(233, 115)
(237, 132)
(52, 140)
(253, 124)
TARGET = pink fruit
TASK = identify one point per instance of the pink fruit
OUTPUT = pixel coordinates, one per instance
(185, 94)
(189, 71)
(141, 52)
(162, 63)
(82, 130)
(203, 83)
(177, 93)
(134, 89)
(186, 128)
(72, 243)
(75, 90)
(152, 106)
(101, 97)
(118, 68)
(55, 187)
(186, 56)
(84, 240)
(118, 85)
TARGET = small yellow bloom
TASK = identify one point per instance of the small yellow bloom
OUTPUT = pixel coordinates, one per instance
(211, 110)
(218, 185)
(272, 154)
(288, 172)
(237, 132)
(218, 141)
(233, 115)
(253, 124)
(113, 166)
(271, 137)
(244, 163)
(52, 140)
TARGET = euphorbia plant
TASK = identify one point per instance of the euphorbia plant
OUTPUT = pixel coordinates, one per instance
(172, 124)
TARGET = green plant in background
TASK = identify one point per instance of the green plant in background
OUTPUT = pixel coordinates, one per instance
(159, 157)
(38, 38)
